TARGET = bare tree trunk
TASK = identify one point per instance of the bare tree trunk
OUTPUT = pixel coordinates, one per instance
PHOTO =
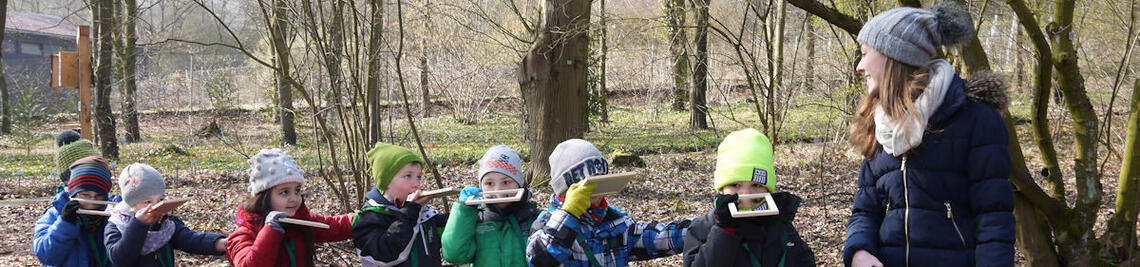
(605, 49)
(1033, 234)
(675, 18)
(554, 76)
(125, 51)
(375, 73)
(424, 68)
(278, 26)
(809, 72)
(1081, 249)
(104, 119)
(775, 77)
(5, 108)
(698, 111)
(1122, 226)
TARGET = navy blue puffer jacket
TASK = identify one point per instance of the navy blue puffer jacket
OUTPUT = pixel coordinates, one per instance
(948, 201)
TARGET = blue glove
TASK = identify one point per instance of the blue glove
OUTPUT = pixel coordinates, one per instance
(271, 220)
(467, 192)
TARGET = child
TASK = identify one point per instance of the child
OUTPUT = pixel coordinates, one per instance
(260, 239)
(71, 148)
(395, 227)
(491, 234)
(138, 236)
(580, 230)
(744, 166)
(66, 238)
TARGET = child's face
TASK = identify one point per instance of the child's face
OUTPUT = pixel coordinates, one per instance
(145, 202)
(285, 198)
(494, 181)
(89, 195)
(745, 188)
(406, 181)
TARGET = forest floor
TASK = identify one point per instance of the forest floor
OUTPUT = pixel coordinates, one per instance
(675, 183)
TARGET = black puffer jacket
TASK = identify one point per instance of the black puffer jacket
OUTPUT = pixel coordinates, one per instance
(769, 241)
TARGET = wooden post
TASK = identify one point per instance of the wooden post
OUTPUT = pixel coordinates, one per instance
(73, 70)
(83, 45)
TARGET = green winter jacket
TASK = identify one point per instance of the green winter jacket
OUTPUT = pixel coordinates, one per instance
(487, 236)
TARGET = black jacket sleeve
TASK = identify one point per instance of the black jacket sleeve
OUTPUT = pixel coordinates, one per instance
(383, 236)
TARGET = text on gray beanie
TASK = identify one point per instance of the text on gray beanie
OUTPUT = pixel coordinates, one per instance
(572, 161)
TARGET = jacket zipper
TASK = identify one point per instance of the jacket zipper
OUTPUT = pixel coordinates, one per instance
(906, 214)
(950, 215)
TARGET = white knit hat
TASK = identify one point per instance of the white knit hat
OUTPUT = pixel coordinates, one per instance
(501, 159)
(272, 167)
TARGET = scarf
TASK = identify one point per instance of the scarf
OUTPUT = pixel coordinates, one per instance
(897, 136)
(155, 239)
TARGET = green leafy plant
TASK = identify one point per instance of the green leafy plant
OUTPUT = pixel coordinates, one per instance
(28, 114)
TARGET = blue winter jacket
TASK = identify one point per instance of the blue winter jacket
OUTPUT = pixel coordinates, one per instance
(125, 247)
(60, 243)
(948, 201)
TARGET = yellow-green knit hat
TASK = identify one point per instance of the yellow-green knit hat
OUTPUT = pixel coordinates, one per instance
(69, 153)
(386, 160)
(745, 155)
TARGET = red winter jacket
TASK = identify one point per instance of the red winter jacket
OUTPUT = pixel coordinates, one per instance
(250, 246)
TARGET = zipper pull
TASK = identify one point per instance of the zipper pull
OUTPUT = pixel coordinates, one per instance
(949, 214)
(903, 165)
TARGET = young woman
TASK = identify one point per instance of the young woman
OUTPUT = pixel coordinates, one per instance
(933, 188)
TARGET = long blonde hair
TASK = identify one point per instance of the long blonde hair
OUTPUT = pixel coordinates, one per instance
(896, 93)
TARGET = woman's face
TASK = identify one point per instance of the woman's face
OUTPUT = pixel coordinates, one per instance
(872, 65)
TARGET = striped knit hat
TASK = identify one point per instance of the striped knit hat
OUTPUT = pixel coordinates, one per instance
(89, 174)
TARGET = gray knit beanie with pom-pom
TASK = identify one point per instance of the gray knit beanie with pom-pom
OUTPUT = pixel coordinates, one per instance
(910, 35)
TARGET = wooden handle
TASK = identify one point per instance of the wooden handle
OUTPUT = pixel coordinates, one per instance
(446, 191)
(94, 212)
(517, 195)
(304, 222)
(96, 202)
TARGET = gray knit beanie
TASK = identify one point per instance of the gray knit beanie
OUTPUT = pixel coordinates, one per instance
(572, 161)
(138, 182)
(272, 167)
(910, 35)
(501, 159)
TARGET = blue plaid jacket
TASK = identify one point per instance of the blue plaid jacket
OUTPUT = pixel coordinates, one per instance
(559, 238)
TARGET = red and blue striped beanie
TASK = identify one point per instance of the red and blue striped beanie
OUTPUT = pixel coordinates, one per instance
(89, 174)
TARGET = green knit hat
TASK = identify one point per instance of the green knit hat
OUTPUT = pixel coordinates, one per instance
(745, 155)
(69, 153)
(386, 160)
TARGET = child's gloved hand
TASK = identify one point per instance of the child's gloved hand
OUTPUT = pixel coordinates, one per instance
(578, 198)
(70, 211)
(723, 215)
(468, 192)
(273, 220)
